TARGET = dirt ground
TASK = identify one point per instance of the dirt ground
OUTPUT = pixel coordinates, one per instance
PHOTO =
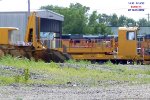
(120, 92)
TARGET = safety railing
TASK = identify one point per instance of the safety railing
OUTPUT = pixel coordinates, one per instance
(78, 43)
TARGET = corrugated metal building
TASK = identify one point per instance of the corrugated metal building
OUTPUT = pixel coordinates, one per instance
(50, 21)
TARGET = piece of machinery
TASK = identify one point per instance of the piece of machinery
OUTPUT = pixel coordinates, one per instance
(127, 47)
(123, 49)
(31, 46)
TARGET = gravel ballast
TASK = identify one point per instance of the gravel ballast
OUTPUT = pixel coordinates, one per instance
(140, 92)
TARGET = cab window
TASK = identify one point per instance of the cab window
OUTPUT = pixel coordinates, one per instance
(131, 35)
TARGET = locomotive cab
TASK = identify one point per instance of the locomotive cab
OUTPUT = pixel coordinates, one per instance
(127, 42)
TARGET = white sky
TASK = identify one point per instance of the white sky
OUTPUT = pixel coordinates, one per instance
(120, 7)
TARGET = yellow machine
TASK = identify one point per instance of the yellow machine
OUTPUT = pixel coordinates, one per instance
(125, 49)
(129, 48)
(33, 32)
(31, 46)
(8, 40)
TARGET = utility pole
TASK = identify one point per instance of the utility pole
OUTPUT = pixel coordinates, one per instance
(148, 16)
(28, 7)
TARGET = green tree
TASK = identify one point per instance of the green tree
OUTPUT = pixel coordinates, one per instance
(122, 20)
(130, 20)
(114, 20)
(77, 21)
(93, 18)
(104, 18)
(75, 17)
(101, 19)
(95, 26)
(92, 23)
(105, 30)
(142, 22)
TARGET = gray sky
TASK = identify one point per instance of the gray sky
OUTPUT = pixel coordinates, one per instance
(120, 7)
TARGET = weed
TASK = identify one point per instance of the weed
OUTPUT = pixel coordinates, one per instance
(53, 65)
(147, 72)
(26, 75)
(109, 63)
(17, 78)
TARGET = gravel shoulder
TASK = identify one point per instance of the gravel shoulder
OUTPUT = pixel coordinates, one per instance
(112, 91)
(140, 92)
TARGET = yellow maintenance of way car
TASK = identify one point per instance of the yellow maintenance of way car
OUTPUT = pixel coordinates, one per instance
(31, 47)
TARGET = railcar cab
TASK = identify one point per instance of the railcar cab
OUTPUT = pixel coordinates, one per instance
(9, 35)
(127, 42)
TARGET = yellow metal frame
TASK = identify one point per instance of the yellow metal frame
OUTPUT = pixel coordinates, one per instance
(31, 34)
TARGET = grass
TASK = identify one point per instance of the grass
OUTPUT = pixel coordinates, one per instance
(84, 62)
(52, 73)
(6, 80)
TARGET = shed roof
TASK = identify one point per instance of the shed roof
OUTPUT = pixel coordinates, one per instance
(128, 28)
(48, 14)
(10, 28)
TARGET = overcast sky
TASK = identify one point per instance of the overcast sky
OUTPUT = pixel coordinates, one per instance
(120, 7)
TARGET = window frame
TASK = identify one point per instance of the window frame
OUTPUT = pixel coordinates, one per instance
(130, 38)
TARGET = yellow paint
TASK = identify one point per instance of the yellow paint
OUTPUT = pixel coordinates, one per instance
(4, 34)
(127, 47)
(33, 32)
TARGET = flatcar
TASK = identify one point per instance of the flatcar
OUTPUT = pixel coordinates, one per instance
(128, 46)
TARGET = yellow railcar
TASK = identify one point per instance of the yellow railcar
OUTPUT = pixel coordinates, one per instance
(31, 46)
(126, 48)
